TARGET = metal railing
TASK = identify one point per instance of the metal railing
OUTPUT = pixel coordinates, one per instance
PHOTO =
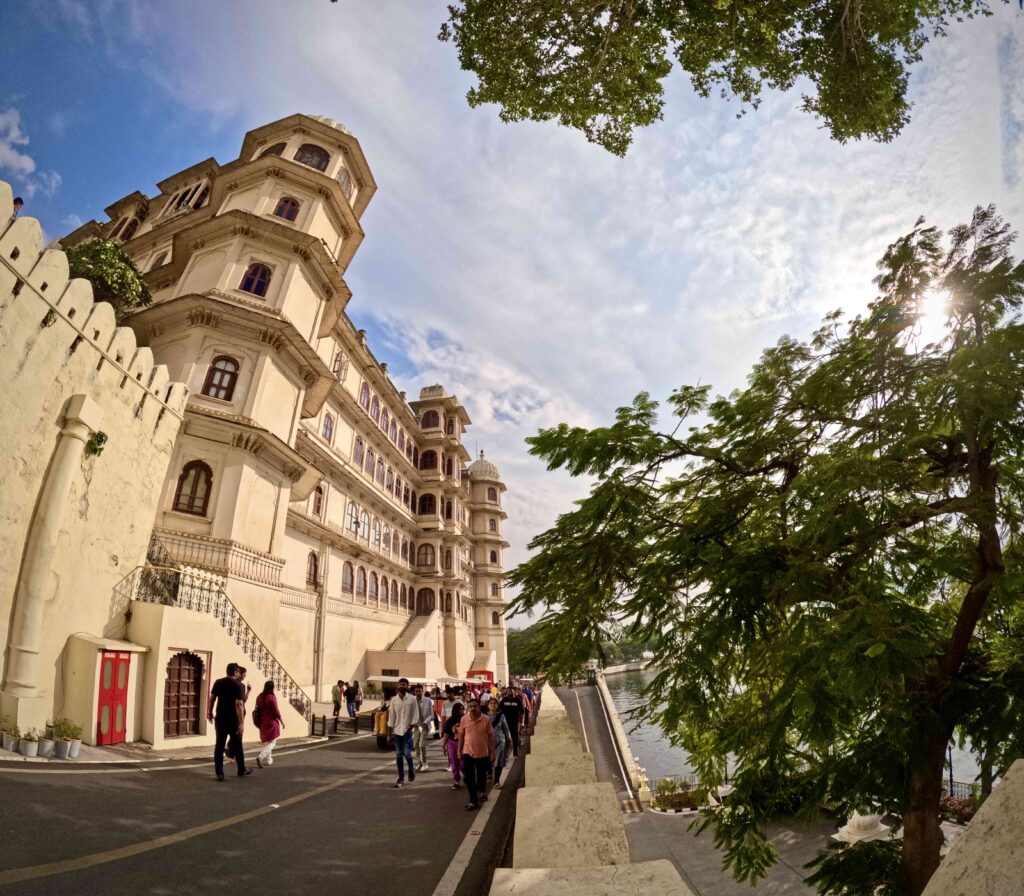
(961, 789)
(216, 555)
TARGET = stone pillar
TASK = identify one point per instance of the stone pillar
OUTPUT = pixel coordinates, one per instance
(20, 700)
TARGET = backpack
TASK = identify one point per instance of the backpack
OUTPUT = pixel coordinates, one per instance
(258, 711)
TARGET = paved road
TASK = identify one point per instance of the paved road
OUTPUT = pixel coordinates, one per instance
(323, 817)
(655, 836)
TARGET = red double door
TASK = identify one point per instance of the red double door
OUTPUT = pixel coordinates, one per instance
(113, 698)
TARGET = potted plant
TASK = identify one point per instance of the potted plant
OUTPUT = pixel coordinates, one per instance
(46, 743)
(28, 746)
(10, 737)
(67, 733)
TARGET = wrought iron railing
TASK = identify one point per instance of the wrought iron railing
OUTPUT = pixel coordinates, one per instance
(961, 789)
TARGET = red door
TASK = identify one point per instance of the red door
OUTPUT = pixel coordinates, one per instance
(113, 701)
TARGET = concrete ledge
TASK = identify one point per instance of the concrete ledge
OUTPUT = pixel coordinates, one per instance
(569, 826)
(544, 743)
(554, 770)
(989, 856)
(641, 879)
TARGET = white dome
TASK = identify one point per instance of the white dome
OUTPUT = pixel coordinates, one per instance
(330, 122)
(484, 469)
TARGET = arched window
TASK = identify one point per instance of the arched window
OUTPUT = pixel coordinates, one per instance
(494, 556)
(380, 471)
(117, 228)
(425, 602)
(328, 428)
(361, 583)
(312, 570)
(398, 488)
(492, 525)
(194, 486)
(428, 505)
(129, 231)
(364, 396)
(402, 598)
(374, 592)
(448, 604)
(375, 409)
(447, 559)
(221, 378)
(425, 555)
(430, 420)
(200, 200)
(385, 418)
(447, 510)
(396, 544)
(393, 431)
(389, 480)
(494, 593)
(405, 549)
(274, 150)
(256, 280)
(428, 460)
(340, 368)
(385, 542)
(371, 461)
(449, 426)
(318, 500)
(158, 261)
(495, 619)
(357, 452)
(347, 577)
(415, 457)
(405, 496)
(401, 439)
(313, 155)
(449, 468)
(412, 502)
(345, 182)
(376, 534)
(458, 604)
(492, 494)
(384, 589)
(287, 208)
(364, 525)
(352, 518)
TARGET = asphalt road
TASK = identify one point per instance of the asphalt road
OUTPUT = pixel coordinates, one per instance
(323, 817)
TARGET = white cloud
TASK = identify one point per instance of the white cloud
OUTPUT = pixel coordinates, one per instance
(19, 165)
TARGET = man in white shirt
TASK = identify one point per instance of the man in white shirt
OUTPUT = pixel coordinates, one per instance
(403, 719)
(426, 717)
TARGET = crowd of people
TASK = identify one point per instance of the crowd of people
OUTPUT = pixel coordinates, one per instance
(481, 727)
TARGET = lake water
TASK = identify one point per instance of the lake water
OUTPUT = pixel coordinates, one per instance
(660, 758)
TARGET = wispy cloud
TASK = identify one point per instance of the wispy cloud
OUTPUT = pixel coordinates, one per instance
(17, 163)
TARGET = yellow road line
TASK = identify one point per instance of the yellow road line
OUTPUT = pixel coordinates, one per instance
(32, 872)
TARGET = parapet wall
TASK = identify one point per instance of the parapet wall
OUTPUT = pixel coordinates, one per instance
(55, 343)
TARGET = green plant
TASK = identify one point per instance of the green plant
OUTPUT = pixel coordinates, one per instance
(31, 735)
(957, 809)
(65, 729)
(95, 444)
(113, 276)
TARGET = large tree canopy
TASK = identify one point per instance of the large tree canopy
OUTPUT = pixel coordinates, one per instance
(599, 65)
(828, 561)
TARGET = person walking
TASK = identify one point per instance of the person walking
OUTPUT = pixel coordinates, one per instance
(350, 700)
(359, 696)
(476, 747)
(450, 702)
(267, 716)
(227, 712)
(512, 710)
(502, 739)
(450, 745)
(336, 697)
(426, 717)
(403, 718)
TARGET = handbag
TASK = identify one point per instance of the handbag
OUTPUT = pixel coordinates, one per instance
(257, 712)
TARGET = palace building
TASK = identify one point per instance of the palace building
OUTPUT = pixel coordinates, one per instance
(313, 519)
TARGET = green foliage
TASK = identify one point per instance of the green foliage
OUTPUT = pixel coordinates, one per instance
(828, 562)
(65, 729)
(113, 275)
(870, 868)
(598, 65)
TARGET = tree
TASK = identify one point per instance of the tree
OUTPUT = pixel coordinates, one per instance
(828, 564)
(113, 275)
(599, 65)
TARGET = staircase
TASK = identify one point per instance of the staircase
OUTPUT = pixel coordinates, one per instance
(408, 634)
(164, 581)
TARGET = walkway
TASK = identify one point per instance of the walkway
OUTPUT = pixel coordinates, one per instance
(655, 836)
(325, 816)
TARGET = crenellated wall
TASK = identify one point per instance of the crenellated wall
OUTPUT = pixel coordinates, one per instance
(72, 523)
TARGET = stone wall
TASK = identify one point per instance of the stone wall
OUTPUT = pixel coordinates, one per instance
(72, 522)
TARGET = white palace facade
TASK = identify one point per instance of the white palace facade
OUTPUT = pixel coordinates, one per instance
(312, 518)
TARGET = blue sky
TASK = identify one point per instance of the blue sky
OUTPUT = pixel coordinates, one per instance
(539, 278)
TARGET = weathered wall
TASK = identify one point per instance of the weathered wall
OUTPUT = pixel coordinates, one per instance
(55, 342)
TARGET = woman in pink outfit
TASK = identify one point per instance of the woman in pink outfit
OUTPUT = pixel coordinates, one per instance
(450, 742)
(270, 723)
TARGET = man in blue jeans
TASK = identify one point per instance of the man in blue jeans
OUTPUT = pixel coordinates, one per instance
(403, 719)
(227, 712)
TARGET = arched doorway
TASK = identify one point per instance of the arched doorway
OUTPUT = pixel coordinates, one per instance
(181, 695)
(424, 602)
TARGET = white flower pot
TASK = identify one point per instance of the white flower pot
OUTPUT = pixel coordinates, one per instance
(28, 748)
(10, 742)
(46, 747)
(61, 749)
(73, 752)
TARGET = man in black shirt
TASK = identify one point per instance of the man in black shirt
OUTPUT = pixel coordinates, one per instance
(227, 712)
(350, 700)
(512, 709)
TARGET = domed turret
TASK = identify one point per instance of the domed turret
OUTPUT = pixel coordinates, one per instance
(484, 469)
(331, 122)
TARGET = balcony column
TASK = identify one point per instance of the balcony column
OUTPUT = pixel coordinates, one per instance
(20, 700)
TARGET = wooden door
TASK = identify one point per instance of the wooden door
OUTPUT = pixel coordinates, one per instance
(181, 695)
(111, 727)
